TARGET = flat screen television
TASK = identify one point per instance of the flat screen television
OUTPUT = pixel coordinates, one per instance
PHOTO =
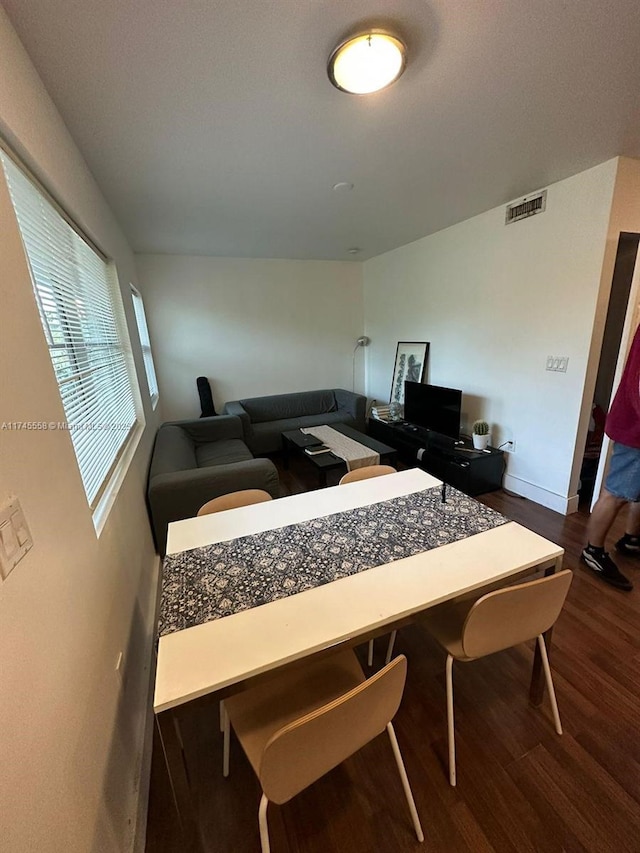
(433, 407)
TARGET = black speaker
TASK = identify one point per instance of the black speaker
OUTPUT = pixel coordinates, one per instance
(207, 409)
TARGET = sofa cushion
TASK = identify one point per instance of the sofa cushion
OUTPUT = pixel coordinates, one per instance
(173, 451)
(194, 461)
(222, 452)
(328, 418)
(283, 406)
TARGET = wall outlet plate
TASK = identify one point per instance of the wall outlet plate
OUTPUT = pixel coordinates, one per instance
(15, 537)
(557, 363)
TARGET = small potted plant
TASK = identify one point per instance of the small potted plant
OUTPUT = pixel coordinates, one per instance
(480, 435)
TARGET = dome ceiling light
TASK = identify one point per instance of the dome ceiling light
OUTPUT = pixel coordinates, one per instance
(367, 63)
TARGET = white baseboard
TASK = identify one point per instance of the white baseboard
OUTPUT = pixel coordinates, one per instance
(559, 503)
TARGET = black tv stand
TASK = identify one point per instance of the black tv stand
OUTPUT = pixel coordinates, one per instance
(454, 461)
(428, 439)
(411, 429)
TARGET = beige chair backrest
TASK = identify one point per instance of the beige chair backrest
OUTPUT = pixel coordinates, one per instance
(306, 749)
(235, 499)
(366, 472)
(515, 614)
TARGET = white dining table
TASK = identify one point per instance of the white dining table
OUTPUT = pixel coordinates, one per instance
(222, 656)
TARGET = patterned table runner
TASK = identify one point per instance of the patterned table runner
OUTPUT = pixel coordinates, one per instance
(356, 455)
(217, 580)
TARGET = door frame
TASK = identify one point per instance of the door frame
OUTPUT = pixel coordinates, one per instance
(631, 323)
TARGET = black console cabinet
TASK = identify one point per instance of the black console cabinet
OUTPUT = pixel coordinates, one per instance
(471, 471)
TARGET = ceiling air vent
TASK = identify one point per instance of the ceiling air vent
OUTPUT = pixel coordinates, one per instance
(527, 206)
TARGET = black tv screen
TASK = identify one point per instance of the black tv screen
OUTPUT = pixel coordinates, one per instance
(433, 407)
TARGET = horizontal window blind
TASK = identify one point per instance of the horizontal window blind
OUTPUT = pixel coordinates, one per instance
(76, 293)
(145, 343)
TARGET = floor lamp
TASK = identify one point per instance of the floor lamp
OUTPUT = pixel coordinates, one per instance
(363, 341)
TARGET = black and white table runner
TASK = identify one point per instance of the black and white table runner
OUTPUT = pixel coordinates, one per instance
(224, 578)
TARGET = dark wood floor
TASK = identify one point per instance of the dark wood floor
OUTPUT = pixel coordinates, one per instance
(520, 787)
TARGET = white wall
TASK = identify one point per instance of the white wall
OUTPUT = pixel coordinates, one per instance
(70, 737)
(253, 327)
(494, 301)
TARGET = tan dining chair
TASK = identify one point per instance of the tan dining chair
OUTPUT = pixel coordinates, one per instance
(366, 472)
(233, 500)
(506, 617)
(303, 722)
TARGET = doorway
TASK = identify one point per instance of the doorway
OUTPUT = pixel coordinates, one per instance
(620, 324)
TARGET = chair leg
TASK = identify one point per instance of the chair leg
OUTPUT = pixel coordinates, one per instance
(264, 828)
(392, 640)
(226, 730)
(405, 782)
(370, 654)
(549, 680)
(450, 723)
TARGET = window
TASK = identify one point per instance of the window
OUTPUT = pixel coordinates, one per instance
(145, 343)
(81, 313)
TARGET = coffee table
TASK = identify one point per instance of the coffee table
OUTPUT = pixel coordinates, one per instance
(294, 441)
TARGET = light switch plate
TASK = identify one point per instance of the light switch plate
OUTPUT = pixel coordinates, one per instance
(557, 363)
(15, 538)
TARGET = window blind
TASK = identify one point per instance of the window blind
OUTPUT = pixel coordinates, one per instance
(145, 344)
(76, 293)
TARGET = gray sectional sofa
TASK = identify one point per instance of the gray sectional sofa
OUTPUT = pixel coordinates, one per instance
(265, 418)
(194, 461)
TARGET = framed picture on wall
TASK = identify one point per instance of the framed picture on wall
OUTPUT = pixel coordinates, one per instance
(411, 361)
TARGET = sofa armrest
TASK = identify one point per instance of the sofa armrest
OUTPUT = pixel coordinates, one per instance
(180, 494)
(236, 408)
(215, 428)
(353, 404)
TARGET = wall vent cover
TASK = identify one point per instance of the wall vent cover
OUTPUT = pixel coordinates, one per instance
(525, 207)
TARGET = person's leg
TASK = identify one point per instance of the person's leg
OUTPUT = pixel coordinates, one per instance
(602, 517)
(633, 519)
(616, 492)
(628, 485)
(630, 542)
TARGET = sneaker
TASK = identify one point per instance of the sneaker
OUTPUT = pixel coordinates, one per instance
(629, 545)
(602, 563)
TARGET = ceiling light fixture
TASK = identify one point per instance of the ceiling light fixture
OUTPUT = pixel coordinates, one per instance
(367, 63)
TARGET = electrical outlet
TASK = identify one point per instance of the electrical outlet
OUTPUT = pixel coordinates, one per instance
(510, 446)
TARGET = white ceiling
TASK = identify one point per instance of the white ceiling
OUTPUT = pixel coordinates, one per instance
(212, 128)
